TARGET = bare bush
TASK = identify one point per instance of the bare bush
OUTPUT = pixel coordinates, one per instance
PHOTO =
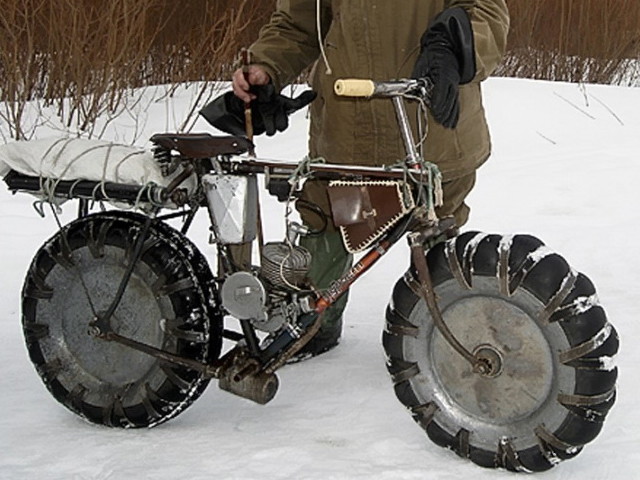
(21, 62)
(594, 41)
(83, 57)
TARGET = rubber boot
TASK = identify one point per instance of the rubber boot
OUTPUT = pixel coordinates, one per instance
(329, 262)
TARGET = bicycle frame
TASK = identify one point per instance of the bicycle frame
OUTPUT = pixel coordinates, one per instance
(288, 342)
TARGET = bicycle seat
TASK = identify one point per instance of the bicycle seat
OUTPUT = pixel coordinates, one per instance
(202, 145)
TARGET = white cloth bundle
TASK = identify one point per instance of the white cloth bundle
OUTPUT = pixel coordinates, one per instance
(81, 159)
(77, 158)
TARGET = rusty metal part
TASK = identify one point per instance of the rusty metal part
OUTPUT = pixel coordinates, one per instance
(426, 290)
(242, 375)
(209, 371)
(281, 359)
(544, 434)
(180, 197)
(320, 170)
(377, 251)
(238, 372)
(187, 171)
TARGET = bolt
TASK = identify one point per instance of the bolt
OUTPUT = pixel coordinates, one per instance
(482, 366)
(488, 361)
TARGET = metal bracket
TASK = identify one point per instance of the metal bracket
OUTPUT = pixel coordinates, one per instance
(209, 371)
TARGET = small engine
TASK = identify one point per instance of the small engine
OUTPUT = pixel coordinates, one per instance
(284, 265)
(269, 300)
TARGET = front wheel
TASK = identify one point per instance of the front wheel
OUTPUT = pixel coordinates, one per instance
(521, 307)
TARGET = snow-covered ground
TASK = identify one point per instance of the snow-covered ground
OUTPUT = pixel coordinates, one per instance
(566, 166)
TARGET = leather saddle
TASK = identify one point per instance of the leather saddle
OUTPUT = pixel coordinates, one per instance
(202, 145)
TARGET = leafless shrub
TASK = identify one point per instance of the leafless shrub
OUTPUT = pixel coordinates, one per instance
(83, 57)
(21, 63)
(594, 41)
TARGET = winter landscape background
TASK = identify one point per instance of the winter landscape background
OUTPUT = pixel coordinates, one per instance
(565, 168)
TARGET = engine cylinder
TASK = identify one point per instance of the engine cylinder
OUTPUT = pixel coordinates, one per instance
(285, 265)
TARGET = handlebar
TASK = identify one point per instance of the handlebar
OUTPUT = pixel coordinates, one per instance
(353, 87)
(398, 90)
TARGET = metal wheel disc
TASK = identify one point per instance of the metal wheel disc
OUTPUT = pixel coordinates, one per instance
(170, 303)
(86, 360)
(511, 403)
(525, 375)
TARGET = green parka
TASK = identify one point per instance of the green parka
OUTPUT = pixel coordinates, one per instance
(379, 40)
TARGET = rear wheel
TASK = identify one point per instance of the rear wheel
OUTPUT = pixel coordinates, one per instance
(169, 303)
(537, 321)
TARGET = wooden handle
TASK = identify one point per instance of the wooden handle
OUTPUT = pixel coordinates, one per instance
(248, 119)
(352, 87)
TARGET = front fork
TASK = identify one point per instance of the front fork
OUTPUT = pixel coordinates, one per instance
(481, 363)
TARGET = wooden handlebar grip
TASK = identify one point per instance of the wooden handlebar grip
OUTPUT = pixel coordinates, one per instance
(354, 88)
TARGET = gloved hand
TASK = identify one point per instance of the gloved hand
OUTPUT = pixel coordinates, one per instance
(269, 111)
(447, 57)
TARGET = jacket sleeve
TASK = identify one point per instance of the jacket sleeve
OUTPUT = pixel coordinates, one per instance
(289, 43)
(490, 22)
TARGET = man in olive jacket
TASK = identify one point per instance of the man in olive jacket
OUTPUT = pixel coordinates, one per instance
(379, 40)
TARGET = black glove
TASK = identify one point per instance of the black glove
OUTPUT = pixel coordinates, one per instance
(269, 111)
(447, 57)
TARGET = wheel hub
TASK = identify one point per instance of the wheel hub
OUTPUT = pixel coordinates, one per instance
(488, 361)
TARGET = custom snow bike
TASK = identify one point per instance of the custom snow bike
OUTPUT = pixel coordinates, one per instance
(498, 348)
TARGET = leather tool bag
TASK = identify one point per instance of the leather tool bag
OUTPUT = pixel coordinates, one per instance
(365, 210)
